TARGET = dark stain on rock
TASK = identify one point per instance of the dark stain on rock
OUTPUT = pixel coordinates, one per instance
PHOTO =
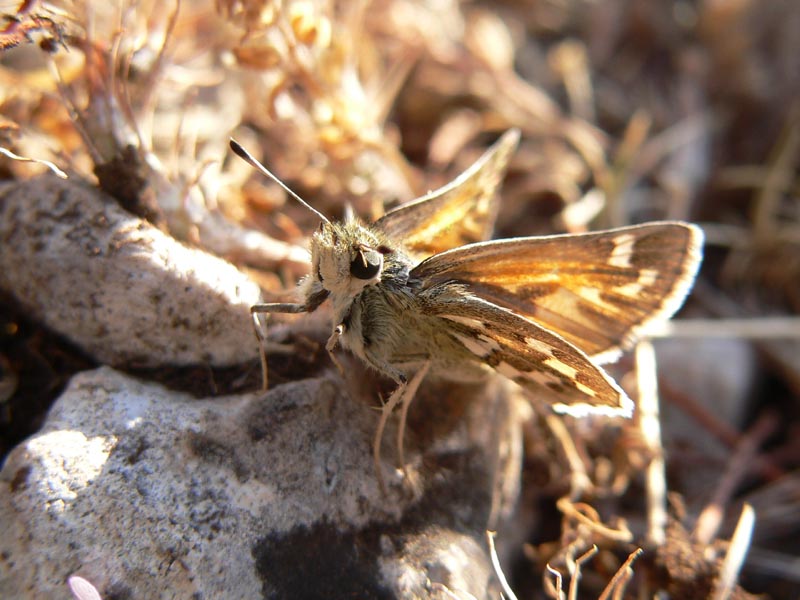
(215, 452)
(131, 448)
(118, 591)
(320, 562)
(329, 562)
(20, 479)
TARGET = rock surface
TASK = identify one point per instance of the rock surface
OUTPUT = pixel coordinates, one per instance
(116, 286)
(717, 375)
(149, 493)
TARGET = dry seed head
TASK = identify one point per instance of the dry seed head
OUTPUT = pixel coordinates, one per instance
(258, 57)
(489, 39)
(309, 27)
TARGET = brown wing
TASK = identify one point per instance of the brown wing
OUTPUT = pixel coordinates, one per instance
(462, 212)
(596, 290)
(526, 353)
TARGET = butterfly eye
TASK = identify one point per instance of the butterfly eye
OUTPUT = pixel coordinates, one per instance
(367, 264)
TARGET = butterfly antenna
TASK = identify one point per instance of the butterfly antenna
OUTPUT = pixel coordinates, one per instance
(239, 150)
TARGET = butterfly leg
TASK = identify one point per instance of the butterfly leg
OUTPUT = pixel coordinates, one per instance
(408, 396)
(394, 399)
(331, 344)
(260, 329)
(403, 394)
(386, 411)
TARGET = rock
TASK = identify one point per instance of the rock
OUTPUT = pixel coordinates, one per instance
(119, 288)
(718, 375)
(145, 492)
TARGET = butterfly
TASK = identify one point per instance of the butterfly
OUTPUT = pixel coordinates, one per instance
(421, 290)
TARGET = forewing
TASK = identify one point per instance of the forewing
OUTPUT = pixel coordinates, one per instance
(462, 212)
(596, 290)
(528, 354)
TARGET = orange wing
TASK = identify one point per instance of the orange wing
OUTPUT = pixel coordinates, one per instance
(462, 212)
(527, 353)
(596, 290)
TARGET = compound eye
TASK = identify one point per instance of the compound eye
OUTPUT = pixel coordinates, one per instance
(367, 264)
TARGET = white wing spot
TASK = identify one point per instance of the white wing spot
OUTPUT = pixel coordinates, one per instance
(539, 346)
(647, 277)
(539, 377)
(478, 347)
(506, 370)
(593, 295)
(632, 290)
(543, 378)
(623, 249)
(468, 321)
(559, 366)
(581, 410)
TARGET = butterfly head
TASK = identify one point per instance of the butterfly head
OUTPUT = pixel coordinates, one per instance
(346, 257)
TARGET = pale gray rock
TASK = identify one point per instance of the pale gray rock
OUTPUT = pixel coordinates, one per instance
(119, 288)
(149, 493)
(718, 375)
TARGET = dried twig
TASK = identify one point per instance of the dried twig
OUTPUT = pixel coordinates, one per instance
(650, 426)
(709, 521)
(767, 466)
(576, 572)
(580, 481)
(740, 543)
(498, 570)
(621, 578)
(556, 589)
(46, 163)
(755, 328)
(779, 177)
(586, 515)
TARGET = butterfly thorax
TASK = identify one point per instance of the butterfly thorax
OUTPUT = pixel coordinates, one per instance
(367, 280)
